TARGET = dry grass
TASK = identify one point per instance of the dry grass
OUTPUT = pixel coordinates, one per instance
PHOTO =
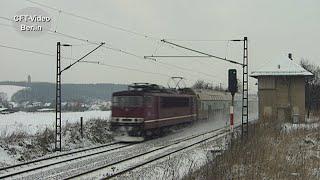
(268, 153)
(23, 146)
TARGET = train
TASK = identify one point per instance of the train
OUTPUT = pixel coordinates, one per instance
(144, 109)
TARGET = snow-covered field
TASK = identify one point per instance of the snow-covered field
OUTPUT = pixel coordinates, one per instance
(10, 90)
(32, 122)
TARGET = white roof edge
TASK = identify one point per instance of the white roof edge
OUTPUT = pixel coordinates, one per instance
(282, 66)
(280, 73)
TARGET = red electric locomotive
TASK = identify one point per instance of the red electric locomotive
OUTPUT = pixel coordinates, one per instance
(145, 108)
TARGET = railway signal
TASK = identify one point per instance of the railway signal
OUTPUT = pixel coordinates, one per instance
(233, 88)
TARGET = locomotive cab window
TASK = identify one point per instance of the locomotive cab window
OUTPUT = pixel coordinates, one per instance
(127, 101)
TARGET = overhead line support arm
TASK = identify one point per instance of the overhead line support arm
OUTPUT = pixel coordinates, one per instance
(209, 55)
(68, 67)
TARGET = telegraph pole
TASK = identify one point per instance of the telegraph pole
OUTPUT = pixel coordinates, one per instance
(58, 100)
(245, 90)
(58, 90)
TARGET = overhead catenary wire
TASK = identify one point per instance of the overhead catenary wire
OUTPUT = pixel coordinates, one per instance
(198, 40)
(179, 67)
(124, 30)
(27, 50)
(109, 47)
(120, 50)
(96, 62)
(86, 40)
(95, 21)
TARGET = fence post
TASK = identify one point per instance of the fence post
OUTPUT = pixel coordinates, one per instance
(81, 126)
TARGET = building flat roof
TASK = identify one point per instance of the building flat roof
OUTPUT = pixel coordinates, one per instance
(282, 66)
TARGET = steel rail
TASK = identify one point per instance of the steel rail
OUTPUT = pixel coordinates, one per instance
(164, 155)
(63, 161)
(57, 156)
(145, 153)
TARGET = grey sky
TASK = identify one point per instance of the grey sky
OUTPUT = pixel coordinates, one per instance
(273, 27)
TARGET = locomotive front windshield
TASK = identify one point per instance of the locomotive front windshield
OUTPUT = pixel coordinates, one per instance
(127, 101)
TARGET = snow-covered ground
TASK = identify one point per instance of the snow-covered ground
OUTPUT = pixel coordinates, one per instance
(288, 127)
(5, 158)
(33, 122)
(10, 90)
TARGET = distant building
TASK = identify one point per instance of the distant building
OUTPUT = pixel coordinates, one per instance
(36, 104)
(281, 90)
(47, 104)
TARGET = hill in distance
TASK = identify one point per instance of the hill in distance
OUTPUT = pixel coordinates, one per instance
(45, 92)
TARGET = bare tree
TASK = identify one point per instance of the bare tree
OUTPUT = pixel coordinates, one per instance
(3, 99)
(312, 85)
(201, 84)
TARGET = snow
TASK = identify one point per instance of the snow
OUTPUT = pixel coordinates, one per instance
(10, 90)
(288, 127)
(281, 66)
(5, 158)
(33, 122)
(3, 109)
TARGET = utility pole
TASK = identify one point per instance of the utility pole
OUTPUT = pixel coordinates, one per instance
(58, 100)
(245, 91)
(58, 90)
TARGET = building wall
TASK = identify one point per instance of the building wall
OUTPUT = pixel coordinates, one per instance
(282, 97)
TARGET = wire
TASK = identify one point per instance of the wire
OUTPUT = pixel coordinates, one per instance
(132, 69)
(52, 55)
(117, 49)
(199, 40)
(8, 25)
(57, 23)
(34, 52)
(95, 21)
(227, 48)
(27, 50)
(87, 41)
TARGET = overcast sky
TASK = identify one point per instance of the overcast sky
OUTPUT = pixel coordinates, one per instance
(273, 27)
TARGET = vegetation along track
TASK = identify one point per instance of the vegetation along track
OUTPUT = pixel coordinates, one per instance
(11, 171)
(221, 132)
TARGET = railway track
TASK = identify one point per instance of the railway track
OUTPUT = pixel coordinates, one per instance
(162, 151)
(18, 169)
(151, 155)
